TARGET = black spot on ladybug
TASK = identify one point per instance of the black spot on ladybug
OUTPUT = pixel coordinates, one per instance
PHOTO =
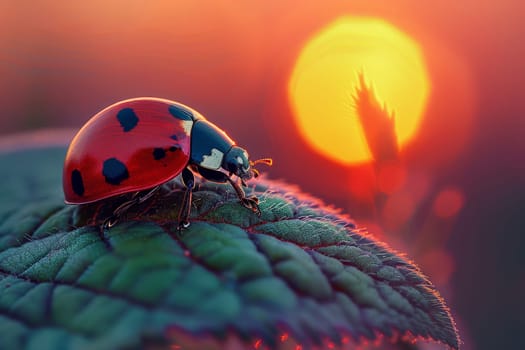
(114, 171)
(174, 137)
(180, 113)
(127, 119)
(174, 148)
(77, 183)
(159, 153)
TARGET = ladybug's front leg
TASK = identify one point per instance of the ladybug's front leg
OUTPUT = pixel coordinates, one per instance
(251, 202)
(184, 214)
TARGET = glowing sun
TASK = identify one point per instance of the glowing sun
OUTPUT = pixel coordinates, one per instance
(326, 76)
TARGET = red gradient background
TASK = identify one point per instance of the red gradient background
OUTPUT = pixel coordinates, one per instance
(456, 206)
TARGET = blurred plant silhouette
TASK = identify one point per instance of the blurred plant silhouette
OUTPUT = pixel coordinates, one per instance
(379, 130)
(378, 124)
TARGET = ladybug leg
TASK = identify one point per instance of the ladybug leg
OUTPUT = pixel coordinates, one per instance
(251, 202)
(117, 213)
(189, 181)
(124, 207)
(147, 196)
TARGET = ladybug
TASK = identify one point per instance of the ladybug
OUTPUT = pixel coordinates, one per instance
(138, 144)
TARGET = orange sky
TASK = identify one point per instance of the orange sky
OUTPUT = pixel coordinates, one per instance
(61, 62)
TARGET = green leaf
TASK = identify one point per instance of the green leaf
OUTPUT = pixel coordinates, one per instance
(300, 271)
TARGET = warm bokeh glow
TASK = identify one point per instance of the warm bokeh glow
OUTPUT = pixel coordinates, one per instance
(325, 78)
(449, 202)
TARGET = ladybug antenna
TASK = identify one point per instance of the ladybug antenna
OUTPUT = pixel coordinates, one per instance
(266, 161)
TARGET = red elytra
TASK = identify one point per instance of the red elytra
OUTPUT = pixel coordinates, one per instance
(129, 146)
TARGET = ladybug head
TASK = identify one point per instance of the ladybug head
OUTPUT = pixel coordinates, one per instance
(236, 161)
